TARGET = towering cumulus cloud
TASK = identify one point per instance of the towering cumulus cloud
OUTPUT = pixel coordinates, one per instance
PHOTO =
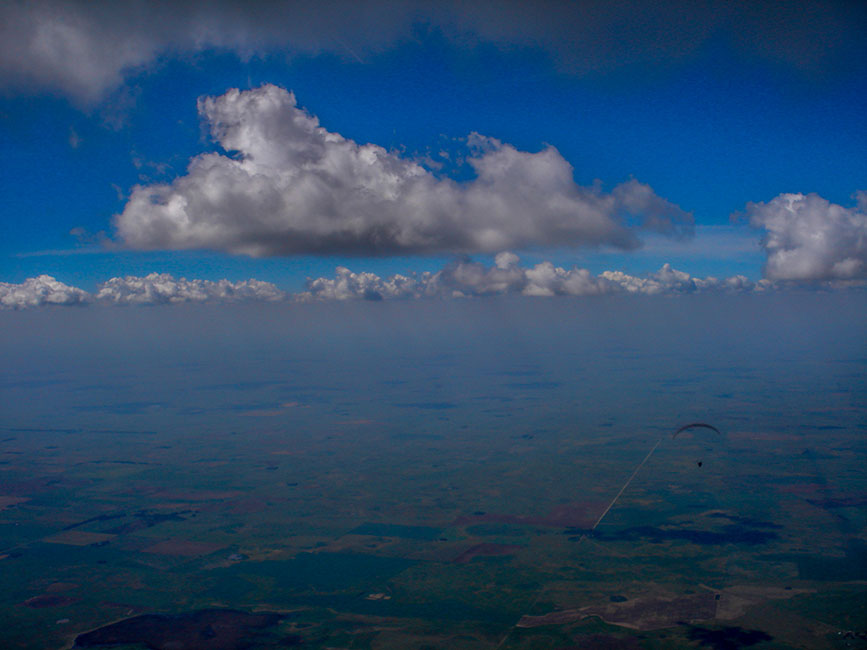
(290, 186)
(809, 238)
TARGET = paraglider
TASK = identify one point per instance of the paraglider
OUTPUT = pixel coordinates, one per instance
(696, 425)
(699, 462)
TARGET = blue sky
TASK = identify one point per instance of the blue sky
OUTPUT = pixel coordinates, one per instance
(710, 113)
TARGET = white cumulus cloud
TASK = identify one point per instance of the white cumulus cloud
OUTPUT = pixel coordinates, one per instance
(289, 186)
(463, 278)
(808, 238)
(40, 291)
(368, 286)
(670, 280)
(466, 278)
(161, 288)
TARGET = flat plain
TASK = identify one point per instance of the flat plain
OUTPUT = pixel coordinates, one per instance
(450, 499)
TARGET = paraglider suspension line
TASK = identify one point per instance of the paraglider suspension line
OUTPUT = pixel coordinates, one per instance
(626, 485)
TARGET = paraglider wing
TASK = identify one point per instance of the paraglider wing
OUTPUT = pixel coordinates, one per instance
(696, 425)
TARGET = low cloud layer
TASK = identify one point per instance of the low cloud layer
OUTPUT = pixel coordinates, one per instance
(462, 278)
(292, 187)
(40, 291)
(152, 289)
(465, 279)
(162, 288)
(86, 49)
(808, 238)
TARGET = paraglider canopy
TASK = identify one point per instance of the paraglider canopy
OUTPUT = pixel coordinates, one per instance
(696, 425)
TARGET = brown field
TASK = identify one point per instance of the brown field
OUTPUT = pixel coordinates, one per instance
(737, 600)
(7, 502)
(643, 613)
(49, 600)
(486, 549)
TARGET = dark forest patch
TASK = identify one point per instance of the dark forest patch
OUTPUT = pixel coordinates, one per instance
(745, 521)
(104, 517)
(212, 629)
(605, 642)
(727, 638)
(148, 519)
